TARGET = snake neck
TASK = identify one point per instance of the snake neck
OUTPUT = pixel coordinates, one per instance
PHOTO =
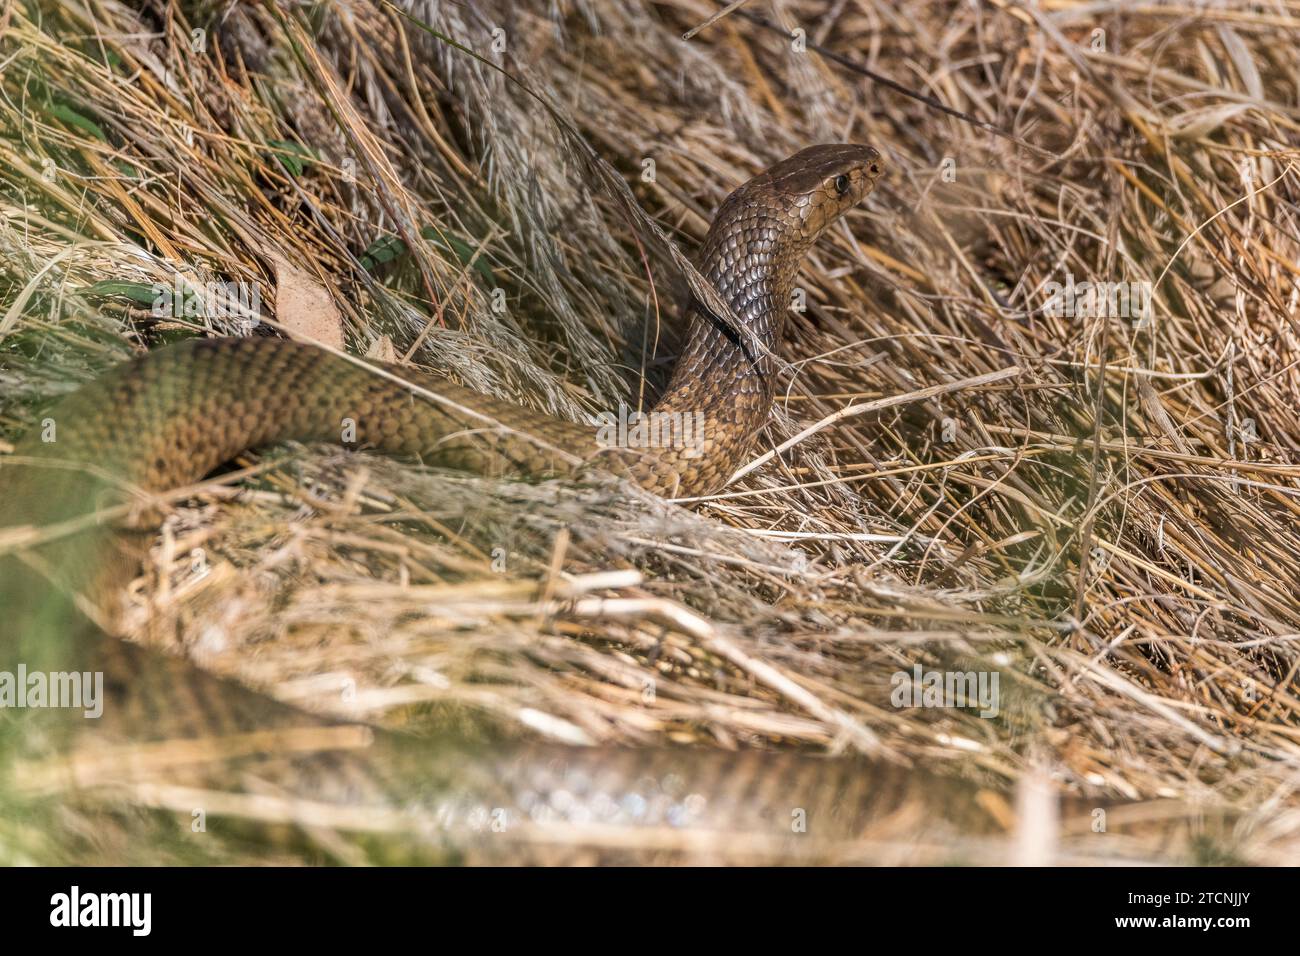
(751, 257)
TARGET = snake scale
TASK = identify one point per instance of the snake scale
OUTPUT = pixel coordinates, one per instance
(170, 729)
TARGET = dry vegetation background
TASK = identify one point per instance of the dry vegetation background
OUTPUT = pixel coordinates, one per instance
(1113, 526)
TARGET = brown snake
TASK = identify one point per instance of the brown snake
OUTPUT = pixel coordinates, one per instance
(172, 416)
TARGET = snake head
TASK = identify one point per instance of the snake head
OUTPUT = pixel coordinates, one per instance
(819, 184)
(763, 229)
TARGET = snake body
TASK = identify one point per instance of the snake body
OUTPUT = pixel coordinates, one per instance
(171, 416)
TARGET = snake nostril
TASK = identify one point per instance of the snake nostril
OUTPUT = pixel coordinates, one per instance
(875, 169)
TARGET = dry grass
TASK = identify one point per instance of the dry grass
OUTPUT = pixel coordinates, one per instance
(1113, 526)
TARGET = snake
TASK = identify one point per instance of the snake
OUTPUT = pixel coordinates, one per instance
(75, 500)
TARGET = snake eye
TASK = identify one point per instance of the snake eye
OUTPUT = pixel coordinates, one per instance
(841, 184)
